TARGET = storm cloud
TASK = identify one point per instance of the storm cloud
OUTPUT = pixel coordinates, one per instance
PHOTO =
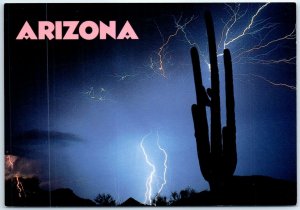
(32, 142)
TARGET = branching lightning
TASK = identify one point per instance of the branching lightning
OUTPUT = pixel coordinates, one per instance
(291, 87)
(179, 28)
(97, 95)
(10, 161)
(122, 77)
(257, 28)
(245, 31)
(289, 36)
(260, 30)
(257, 37)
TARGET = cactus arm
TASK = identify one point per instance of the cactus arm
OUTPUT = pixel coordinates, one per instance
(230, 113)
(201, 95)
(229, 132)
(200, 118)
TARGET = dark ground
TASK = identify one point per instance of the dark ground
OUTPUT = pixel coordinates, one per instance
(240, 191)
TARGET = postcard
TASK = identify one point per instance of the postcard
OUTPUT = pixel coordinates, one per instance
(150, 104)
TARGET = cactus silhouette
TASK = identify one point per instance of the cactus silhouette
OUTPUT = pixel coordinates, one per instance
(217, 153)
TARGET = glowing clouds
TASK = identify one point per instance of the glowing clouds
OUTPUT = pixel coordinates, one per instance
(17, 168)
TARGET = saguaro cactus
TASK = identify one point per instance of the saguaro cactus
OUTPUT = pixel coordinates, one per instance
(217, 156)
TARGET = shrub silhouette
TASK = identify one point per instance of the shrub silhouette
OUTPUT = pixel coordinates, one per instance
(187, 193)
(160, 200)
(183, 197)
(105, 200)
(174, 198)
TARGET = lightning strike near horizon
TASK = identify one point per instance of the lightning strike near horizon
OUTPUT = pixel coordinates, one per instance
(148, 193)
(150, 178)
(20, 187)
(10, 160)
(165, 165)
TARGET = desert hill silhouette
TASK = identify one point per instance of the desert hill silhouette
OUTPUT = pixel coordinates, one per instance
(246, 191)
(35, 196)
(240, 191)
(131, 202)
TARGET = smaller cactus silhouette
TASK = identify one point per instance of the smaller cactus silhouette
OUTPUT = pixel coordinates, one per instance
(217, 153)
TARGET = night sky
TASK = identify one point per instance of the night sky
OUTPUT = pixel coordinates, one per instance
(77, 111)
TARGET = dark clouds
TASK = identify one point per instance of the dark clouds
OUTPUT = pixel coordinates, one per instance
(36, 134)
(35, 142)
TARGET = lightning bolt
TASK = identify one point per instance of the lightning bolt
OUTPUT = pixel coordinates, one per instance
(10, 160)
(260, 31)
(150, 179)
(97, 95)
(20, 186)
(269, 81)
(255, 28)
(257, 36)
(291, 60)
(179, 28)
(148, 193)
(246, 29)
(230, 23)
(122, 77)
(165, 165)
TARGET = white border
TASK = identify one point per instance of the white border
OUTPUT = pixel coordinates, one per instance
(2, 2)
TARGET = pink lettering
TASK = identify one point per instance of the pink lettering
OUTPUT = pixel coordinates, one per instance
(84, 26)
(110, 30)
(26, 32)
(127, 32)
(87, 30)
(45, 30)
(70, 32)
(58, 30)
